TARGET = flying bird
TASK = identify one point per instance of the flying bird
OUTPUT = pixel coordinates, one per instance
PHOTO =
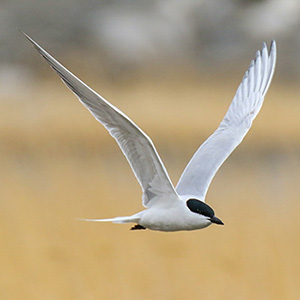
(183, 207)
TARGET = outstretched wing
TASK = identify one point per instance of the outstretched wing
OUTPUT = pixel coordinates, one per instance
(135, 144)
(245, 106)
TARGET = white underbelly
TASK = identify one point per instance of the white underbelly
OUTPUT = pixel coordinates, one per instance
(172, 219)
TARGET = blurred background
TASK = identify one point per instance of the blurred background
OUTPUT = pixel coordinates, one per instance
(173, 67)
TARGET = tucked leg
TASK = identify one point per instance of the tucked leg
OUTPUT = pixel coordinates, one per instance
(137, 227)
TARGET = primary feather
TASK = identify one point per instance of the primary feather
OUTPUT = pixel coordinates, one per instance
(245, 106)
(135, 144)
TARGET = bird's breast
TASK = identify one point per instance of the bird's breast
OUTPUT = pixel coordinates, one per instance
(172, 219)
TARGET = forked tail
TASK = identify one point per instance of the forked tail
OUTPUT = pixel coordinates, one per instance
(122, 220)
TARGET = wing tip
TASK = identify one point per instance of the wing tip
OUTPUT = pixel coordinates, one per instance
(27, 37)
(272, 48)
(273, 45)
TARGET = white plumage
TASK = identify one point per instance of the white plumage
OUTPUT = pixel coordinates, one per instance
(183, 207)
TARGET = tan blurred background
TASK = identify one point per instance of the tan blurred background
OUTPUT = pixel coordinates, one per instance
(173, 67)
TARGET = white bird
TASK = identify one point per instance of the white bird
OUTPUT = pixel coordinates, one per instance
(183, 207)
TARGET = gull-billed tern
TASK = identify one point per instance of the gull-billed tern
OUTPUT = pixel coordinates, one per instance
(183, 207)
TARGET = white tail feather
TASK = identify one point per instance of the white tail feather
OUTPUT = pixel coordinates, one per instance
(130, 219)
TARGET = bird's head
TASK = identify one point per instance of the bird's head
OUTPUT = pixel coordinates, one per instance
(199, 207)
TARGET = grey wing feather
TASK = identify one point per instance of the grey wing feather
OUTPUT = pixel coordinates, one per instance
(245, 106)
(135, 144)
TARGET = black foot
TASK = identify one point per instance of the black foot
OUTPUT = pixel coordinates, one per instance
(137, 227)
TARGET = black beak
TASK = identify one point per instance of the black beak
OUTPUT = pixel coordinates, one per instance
(216, 220)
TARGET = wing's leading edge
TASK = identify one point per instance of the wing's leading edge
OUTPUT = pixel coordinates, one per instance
(245, 106)
(135, 144)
